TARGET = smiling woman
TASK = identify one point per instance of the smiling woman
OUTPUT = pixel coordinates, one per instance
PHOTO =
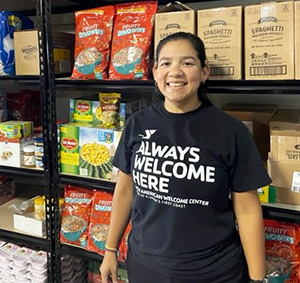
(175, 182)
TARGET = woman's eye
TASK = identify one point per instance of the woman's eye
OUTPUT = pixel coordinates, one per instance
(164, 63)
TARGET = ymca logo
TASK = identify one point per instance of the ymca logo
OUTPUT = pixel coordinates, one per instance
(148, 134)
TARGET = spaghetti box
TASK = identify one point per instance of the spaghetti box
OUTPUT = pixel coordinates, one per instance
(174, 17)
(27, 58)
(269, 41)
(221, 31)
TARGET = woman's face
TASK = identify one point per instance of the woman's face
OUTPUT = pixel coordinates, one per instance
(178, 72)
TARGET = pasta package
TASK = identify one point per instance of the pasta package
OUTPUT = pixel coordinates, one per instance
(99, 221)
(132, 38)
(75, 215)
(92, 42)
(108, 112)
(282, 251)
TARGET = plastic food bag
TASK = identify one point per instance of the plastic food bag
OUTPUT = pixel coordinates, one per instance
(92, 42)
(282, 251)
(9, 23)
(133, 32)
(75, 215)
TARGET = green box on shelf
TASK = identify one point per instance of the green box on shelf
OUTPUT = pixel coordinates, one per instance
(87, 112)
(96, 149)
(88, 151)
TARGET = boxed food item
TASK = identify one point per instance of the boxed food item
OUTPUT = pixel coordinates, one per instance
(174, 17)
(88, 151)
(285, 177)
(27, 52)
(297, 39)
(16, 129)
(89, 112)
(285, 119)
(28, 223)
(221, 31)
(11, 150)
(260, 115)
(285, 145)
(269, 41)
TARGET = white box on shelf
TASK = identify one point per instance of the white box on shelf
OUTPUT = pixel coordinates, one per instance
(27, 223)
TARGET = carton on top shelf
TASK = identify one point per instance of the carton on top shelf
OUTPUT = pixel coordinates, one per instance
(27, 58)
(221, 31)
(297, 39)
(174, 18)
(269, 41)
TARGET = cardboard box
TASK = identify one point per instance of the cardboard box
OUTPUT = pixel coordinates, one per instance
(260, 115)
(286, 120)
(85, 111)
(174, 18)
(11, 150)
(285, 176)
(269, 41)
(27, 223)
(27, 58)
(297, 39)
(221, 31)
(285, 145)
(88, 151)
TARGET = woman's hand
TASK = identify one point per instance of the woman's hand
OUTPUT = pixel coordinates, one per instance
(109, 268)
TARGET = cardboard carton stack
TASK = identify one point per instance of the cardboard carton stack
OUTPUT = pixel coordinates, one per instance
(256, 117)
(284, 156)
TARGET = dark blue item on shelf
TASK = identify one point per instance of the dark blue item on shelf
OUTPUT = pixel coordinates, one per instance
(9, 23)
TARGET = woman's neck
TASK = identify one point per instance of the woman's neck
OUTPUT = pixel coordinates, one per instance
(182, 108)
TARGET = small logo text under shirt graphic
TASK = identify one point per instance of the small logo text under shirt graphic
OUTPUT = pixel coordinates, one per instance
(155, 164)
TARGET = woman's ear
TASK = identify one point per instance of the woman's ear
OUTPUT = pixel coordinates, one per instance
(154, 70)
(205, 72)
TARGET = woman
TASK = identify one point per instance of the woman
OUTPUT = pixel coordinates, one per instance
(180, 160)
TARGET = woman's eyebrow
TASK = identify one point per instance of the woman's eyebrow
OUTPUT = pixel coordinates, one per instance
(182, 58)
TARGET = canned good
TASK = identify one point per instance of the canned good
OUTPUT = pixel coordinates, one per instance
(39, 146)
(39, 162)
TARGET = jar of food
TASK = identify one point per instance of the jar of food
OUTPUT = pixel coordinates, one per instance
(29, 158)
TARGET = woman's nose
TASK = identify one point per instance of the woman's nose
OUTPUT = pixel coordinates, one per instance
(176, 70)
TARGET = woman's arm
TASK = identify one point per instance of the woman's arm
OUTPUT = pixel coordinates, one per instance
(120, 216)
(248, 212)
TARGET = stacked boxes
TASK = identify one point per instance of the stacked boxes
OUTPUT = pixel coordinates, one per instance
(269, 41)
(27, 52)
(284, 156)
(174, 18)
(260, 116)
(221, 31)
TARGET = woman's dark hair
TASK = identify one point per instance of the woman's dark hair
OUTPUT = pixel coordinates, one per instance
(198, 45)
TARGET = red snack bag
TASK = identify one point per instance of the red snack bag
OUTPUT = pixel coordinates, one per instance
(132, 37)
(75, 215)
(282, 251)
(124, 244)
(92, 42)
(99, 221)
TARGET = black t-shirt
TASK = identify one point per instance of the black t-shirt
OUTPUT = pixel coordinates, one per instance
(184, 167)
